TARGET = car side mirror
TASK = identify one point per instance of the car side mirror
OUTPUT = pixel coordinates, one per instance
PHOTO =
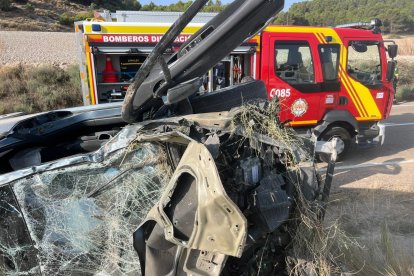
(391, 69)
(392, 51)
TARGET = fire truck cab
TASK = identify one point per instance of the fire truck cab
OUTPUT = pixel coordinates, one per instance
(338, 81)
(335, 81)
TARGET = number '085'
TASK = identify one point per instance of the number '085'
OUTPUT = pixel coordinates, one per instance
(280, 93)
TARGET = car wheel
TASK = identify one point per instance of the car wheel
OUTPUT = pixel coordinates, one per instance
(343, 143)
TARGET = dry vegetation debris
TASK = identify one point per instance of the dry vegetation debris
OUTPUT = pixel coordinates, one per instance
(36, 89)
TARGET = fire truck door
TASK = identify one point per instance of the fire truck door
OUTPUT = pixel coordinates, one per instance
(365, 76)
(293, 73)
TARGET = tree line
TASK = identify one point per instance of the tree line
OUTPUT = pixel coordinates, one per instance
(396, 15)
(211, 6)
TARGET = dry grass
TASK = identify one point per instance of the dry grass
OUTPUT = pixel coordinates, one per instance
(36, 89)
(368, 230)
(406, 46)
(378, 216)
(380, 255)
(253, 120)
(333, 249)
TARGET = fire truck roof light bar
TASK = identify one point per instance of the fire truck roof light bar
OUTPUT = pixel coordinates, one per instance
(375, 23)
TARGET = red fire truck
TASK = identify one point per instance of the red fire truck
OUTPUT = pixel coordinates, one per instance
(336, 81)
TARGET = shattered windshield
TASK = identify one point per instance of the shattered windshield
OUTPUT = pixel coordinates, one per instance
(364, 62)
(81, 218)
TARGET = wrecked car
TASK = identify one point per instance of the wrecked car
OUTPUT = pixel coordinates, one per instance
(193, 185)
(196, 194)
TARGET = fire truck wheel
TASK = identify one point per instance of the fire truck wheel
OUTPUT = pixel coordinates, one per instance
(343, 143)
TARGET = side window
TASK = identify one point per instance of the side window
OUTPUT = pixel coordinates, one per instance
(294, 62)
(364, 62)
(330, 61)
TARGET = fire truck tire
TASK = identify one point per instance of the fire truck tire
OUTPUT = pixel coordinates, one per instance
(343, 143)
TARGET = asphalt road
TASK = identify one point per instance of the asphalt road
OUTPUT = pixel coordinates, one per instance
(391, 165)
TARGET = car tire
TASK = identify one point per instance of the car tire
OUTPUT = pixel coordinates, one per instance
(343, 144)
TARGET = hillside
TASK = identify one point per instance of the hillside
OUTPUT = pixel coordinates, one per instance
(37, 15)
(59, 15)
(397, 15)
(53, 15)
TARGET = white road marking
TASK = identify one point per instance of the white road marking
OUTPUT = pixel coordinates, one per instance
(394, 124)
(368, 165)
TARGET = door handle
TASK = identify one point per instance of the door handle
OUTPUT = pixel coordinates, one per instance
(343, 100)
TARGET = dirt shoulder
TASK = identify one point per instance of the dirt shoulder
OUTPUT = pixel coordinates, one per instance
(56, 48)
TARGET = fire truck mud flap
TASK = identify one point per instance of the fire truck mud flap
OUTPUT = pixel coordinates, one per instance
(380, 139)
(195, 225)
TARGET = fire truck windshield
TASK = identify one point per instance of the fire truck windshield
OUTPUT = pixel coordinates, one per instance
(364, 62)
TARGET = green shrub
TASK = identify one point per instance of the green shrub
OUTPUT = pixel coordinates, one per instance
(65, 19)
(405, 93)
(406, 73)
(36, 89)
(29, 7)
(5, 5)
(69, 19)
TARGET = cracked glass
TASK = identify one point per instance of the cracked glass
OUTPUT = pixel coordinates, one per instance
(80, 219)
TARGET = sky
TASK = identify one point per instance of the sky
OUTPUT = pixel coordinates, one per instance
(288, 3)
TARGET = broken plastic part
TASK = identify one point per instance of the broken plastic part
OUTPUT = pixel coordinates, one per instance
(270, 203)
(252, 170)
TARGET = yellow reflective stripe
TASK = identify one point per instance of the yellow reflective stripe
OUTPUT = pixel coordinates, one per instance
(324, 38)
(296, 123)
(94, 37)
(313, 30)
(90, 74)
(369, 103)
(345, 80)
(319, 38)
(352, 93)
(360, 119)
